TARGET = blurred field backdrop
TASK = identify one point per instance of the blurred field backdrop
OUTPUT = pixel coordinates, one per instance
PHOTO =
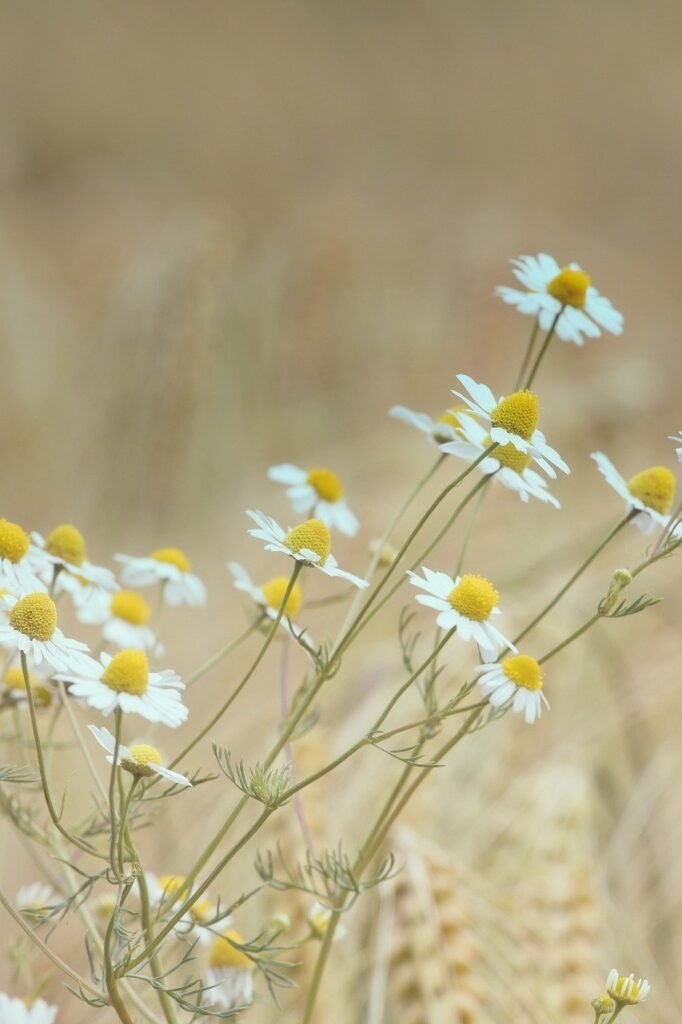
(236, 234)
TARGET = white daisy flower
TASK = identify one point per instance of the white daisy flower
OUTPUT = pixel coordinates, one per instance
(513, 420)
(510, 466)
(15, 1011)
(123, 616)
(64, 547)
(31, 627)
(319, 492)
(35, 898)
(568, 291)
(125, 682)
(678, 440)
(169, 566)
(14, 686)
(466, 603)
(17, 572)
(309, 542)
(447, 427)
(626, 991)
(517, 680)
(196, 924)
(229, 977)
(141, 759)
(319, 917)
(269, 596)
(650, 493)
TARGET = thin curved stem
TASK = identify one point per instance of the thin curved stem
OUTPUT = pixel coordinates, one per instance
(528, 353)
(545, 346)
(222, 653)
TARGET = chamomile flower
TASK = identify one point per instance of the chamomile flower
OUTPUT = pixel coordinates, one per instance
(319, 492)
(510, 466)
(16, 1011)
(123, 616)
(466, 603)
(140, 760)
(678, 440)
(230, 973)
(64, 549)
(319, 917)
(14, 686)
(513, 420)
(516, 681)
(125, 682)
(17, 572)
(650, 493)
(309, 542)
(626, 991)
(171, 568)
(269, 595)
(33, 900)
(446, 427)
(32, 628)
(567, 291)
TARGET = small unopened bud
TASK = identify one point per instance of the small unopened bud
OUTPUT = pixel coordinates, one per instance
(621, 579)
(280, 923)
(386, 552)
(603, 1004)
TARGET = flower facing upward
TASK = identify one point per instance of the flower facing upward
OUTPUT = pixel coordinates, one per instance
(650, 493)
(513, 420)
(64, 548)
(318, 492)
(140, 760)
(125, 682)
(568, 292)
(309, 542)
(446, 427)
(466, 604)
(230, 973)
(16, 1011)
(516, 680)
(124, 617)
(626, 991)
(169, 567)
(16, 569)
(32, 628)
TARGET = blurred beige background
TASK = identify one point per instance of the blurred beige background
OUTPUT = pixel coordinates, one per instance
(236, 234)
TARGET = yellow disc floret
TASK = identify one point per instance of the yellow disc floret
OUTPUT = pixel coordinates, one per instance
(143, 756)
(127, 672)
(312, 535)
(35, 616)
(172, 556)
(449, 418)
(202, 910)
(14, 542)
(517, 413)
(569, 287)
(524, 671)
(131, 607)
(66, 542)
(626, 990)
(474, 597)
(655, 487)
(274, 590)
(224, 954)
(14, 680)
(509, 456)
(171, 883)
(326, 483)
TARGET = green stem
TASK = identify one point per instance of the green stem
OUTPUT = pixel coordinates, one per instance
(112, 793)
(529, 352)
(545, 346)
(155, 959)
(222, 653)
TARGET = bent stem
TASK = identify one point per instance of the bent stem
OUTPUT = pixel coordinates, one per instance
(528, 353)
(545, 346)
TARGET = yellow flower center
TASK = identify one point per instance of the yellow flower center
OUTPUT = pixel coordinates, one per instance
(474, 597)
(524, 671)
(655, 487)
(569, 287)
(142, 757)
(451, 419)
(35, 616)
(517, 413)
(274, 590)
(14, 680)
(131, 607)
(201, 911)
(14, 542)
(509, 456)
(127, 672)
(224, 954)
(326, 483)
(172, 556)
(171, 883)
(66, 542)
(312, 535)
(626, 990)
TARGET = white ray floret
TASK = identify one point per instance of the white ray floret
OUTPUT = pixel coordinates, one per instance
(269, 596)
(229, 977)
(31, 628)
(564, 292)
(169, 567)
(678, 441)
(626, 991)
(64, 549)
(17, 572)
(649, 493)
(123, 616)
(309, 542)
(15, 1011)
(140, 759)
(466, 604)
(517, 682)
(446, 427)
(316, 492)
(34, 898)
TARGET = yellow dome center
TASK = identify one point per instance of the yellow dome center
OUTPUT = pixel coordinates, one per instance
(655, 487)
(202, 910)
(517, 413)
(14, 680)
(14, 542)
(274, 590)
(66, 542)
(224, 954)
(171, 883)
(131, 607)
(524, 671)
(35, 616)
(144, 754)
(127, 672)
(172, 556)
(326, 483)
(625, 990)
(312, 535)
(474, 597)
(451, 419)
(509, 456)
(569, 287)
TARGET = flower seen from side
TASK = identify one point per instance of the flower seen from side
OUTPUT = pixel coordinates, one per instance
(14, 685)
(31, 628)
(309, 542)
(64, 549)
(317, 492)
(626, 991)
(516, 681)
(229, 977)
(169, 567)
(319, 917)
(446, 427)
(649, 493)
(269, 596)
(17, 572)
(141, 759)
